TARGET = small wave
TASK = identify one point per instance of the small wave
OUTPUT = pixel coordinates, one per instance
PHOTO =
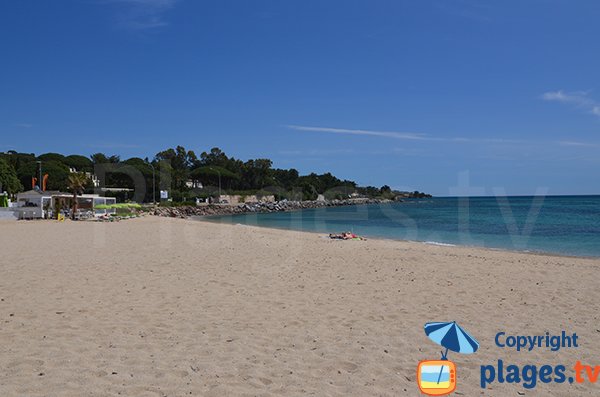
(440, 244)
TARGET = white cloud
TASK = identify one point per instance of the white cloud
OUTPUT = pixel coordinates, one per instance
(402, 135)
(579, 99)
(142, 14)
(491, 142)
(579, 144)
(23, 125)
(114, 145)
(386, 134)
(316, 152)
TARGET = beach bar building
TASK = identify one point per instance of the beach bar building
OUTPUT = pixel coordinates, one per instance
(31, 204)
(34, 204)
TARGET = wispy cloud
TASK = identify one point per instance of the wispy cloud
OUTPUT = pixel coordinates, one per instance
(316, 152)
(345, 131)
(481, 140)
(401, 135)
(579, 99)
(23, 125)
(114, 145)
(507, 144)
(579, 144)
(142, 14)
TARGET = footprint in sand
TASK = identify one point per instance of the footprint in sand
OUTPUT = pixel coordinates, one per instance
(265, 381)
(348, 366)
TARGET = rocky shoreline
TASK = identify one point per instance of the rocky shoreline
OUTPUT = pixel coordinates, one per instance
(278, 206)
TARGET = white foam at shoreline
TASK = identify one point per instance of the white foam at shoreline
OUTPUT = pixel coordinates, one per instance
(440, 244)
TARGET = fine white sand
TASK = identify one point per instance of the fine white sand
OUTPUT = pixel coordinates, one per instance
(171, 307)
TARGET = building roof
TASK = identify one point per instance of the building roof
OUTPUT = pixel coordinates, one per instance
(54, 193)
(40, 193)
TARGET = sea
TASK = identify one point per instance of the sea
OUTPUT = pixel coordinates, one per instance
(565, 225)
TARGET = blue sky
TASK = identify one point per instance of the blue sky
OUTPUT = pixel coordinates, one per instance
(414, 94)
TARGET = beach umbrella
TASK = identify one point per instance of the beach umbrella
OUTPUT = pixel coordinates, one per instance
(452, 337)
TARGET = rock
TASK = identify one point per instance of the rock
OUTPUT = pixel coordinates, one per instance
(214, 209)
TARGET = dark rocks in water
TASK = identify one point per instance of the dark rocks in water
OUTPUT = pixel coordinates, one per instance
(278, 206)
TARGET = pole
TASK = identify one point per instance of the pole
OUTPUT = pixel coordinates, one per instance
(40, 180)
(153, 186)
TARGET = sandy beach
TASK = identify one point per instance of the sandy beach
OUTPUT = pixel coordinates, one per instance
(172, 307)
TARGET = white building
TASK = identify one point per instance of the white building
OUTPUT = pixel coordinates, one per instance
(41, 204)
(193, 184)
(89, 175)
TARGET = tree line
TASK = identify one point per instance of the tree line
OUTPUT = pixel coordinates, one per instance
(184, 170)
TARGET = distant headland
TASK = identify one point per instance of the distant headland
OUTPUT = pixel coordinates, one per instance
(177, 176)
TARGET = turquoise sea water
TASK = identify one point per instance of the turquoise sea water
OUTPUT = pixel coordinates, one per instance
(568, 225)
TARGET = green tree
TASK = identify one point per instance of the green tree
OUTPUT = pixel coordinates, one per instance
(101, 158)
(52, 157)
(144, 167)
(16, 160)
(77, 184)
(175, 166)
(180, 161)
(216, 157)
(256, 174)
(210, 175)
(58, 174)
(369, 191)
(80, 163)
(9, 181)
(285, 178)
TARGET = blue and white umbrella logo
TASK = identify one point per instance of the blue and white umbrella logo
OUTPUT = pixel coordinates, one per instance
(452, 337)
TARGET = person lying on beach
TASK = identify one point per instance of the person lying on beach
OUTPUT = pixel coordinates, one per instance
(352, 236)
(345, 236)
